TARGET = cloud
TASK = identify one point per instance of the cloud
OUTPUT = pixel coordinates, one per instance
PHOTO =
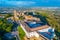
(24, 3)
(18, 2)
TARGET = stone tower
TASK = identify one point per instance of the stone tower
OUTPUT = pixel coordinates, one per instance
(15, 15)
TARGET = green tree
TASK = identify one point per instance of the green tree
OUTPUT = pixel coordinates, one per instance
(50, 19)
(9, 28)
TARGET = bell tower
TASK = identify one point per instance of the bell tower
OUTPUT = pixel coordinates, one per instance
(15, 15)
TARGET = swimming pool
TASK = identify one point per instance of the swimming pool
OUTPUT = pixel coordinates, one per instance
(34, 24)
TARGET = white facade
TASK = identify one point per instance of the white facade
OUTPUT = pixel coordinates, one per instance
(45, 30)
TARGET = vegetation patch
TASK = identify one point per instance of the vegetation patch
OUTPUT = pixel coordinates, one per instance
(21, 32)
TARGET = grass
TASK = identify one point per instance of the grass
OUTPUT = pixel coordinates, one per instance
(21, 32)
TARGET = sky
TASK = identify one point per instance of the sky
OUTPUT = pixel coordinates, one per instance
(30, 3)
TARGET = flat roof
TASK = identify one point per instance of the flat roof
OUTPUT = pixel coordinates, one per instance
(34, 24)
(33, 27)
